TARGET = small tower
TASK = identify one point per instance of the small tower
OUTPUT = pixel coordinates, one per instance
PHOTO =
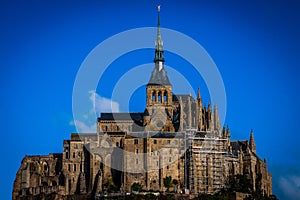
(252, 142)
(216, 119)
(200, 111)
(210, 119)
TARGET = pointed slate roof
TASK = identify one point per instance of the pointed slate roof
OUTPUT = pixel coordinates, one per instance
(159, 77)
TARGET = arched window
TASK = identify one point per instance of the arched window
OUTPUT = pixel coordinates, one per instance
(159, 97)
(165, 97)
(153, 96)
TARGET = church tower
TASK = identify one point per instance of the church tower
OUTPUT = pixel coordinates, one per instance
(159, 111)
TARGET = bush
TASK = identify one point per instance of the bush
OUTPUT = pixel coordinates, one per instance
(136, 187)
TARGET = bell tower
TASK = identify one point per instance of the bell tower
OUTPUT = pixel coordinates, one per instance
(159, 111)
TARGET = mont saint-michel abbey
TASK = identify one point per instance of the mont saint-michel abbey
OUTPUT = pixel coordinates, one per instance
(175, 135)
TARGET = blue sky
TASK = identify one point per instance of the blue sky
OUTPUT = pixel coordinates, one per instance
(255, 45)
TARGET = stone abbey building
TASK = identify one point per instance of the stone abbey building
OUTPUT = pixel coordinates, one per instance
(175, 136)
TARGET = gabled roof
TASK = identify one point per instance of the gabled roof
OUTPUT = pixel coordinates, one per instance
(184, 97)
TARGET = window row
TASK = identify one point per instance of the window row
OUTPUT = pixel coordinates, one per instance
(160, 96)
(75, 167)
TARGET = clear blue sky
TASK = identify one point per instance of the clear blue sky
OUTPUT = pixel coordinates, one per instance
(255, 45)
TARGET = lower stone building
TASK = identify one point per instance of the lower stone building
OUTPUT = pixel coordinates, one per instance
(92, 163)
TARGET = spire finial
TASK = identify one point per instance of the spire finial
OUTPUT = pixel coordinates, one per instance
(158, 8)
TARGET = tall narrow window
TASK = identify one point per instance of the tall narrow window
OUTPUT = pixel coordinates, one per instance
(67, 152)
(153, 96)
(74, 167)
(165, 97)
(136, 161)
(159, 97)
(136, 141)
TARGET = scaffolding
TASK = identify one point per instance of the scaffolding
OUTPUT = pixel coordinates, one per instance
(205, 161)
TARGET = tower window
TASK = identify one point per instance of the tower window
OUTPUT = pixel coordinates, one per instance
(136, 141)
(165, 97)
(67, 152)
(155, 141)
(74, 167)
(159, 96)
(136, 161)
(153, 96)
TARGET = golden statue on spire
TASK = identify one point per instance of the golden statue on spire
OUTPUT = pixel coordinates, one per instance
(158, 8)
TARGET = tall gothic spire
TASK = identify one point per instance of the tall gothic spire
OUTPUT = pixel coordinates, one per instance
(159, 53)
(159, 75)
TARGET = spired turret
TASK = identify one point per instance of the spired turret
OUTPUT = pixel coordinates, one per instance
(200, 111)
(252, 142)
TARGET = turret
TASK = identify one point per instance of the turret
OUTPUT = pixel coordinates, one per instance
(216, 119)
(210, 118)
(200, 111)
(252, 142)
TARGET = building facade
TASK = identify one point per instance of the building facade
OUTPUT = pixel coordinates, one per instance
(176, 135)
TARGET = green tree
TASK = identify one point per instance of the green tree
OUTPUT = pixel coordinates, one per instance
(136, 187)
(168, 182)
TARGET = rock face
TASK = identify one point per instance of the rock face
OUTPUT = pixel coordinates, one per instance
(175, 136)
